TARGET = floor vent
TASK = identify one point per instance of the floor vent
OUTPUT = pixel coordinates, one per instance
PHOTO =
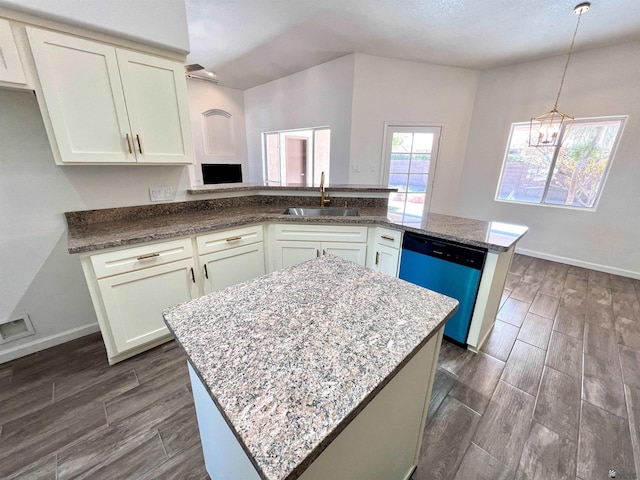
(16, 328)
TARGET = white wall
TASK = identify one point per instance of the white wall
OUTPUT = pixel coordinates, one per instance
(318, 96)
(393, 90)
(160, 23)
(205, 96)
(39, 277)
(599, 82)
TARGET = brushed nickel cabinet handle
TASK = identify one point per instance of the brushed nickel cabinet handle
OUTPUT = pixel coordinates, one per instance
(193, 276)
(387, 237)
(139, 144)
(377, 258)
(128, 143)
(148, 255)
(233, 239)
(206, 273)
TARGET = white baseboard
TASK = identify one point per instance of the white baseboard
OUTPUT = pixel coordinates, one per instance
(579, 263)
(46, 342)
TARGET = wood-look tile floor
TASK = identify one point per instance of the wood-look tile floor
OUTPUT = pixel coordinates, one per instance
(65, 413)
(554, 394)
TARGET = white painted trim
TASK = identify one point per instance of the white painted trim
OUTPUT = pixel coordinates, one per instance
(579, 263)
(47, 342)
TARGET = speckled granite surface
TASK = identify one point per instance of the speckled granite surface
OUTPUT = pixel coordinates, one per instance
(92, 230)
(478, 233)
(291, 357)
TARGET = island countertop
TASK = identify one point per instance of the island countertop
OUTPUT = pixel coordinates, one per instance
(292, 357)
(93, 230)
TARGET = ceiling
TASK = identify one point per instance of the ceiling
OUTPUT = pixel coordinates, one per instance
(251, 42)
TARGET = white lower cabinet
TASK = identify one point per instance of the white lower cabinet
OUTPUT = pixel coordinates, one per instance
(295, 243)
(291, 253)
(229, 257)
(387, 260)
(232, 266)
(131, 287)
(133, 302)
(385, 250)
(356, 252)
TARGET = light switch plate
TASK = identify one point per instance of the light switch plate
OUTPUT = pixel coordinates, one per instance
(160, 194)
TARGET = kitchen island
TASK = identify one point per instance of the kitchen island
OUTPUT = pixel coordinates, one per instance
(321, 370)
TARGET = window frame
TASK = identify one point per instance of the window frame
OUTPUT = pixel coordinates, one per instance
(312, 150)
(623, 121)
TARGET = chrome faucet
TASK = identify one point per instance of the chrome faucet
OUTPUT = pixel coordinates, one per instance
(324, 199)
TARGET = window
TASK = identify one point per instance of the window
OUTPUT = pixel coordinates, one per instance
(410, 155)
(296, 157)
(570, 175)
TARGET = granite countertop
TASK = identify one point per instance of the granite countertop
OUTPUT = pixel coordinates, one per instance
(301, 351)
(93, 230)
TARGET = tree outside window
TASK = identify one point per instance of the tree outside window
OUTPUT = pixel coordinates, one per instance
(572, 174)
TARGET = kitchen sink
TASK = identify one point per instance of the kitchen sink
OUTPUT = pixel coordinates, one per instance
(322, 212)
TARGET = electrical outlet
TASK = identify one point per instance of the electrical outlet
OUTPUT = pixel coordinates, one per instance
(355, 168)
(160, 194)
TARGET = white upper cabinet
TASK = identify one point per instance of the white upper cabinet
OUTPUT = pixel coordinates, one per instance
(156, 95)
(111, 105)
(10, 65)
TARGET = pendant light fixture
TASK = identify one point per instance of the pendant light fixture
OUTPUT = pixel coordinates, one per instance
(544, 130)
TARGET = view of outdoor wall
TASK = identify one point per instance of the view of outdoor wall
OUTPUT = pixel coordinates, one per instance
(296, 157)
(411, 153)
(572, 174)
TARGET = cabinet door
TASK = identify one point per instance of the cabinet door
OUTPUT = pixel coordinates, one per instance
(156, 93)
(386, 260)
(292, 253)
(134, 301)
(356, 252)
(83, 97)
(10, 64)
(229, 267)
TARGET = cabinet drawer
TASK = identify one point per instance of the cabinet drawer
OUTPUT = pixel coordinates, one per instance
(321, 233)
(138, 258)
(390, 238)
(218, 241)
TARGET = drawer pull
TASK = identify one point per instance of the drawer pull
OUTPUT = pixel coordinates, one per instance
(233, 239)
(206, 273)
(128, 143)
(377, 258)
(148, 255)
(387, 237)
(193, 276)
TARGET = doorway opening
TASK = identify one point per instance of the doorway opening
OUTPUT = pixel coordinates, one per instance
(296, 157)
(410, 157)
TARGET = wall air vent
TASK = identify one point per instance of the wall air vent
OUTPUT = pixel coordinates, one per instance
(15, 328)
